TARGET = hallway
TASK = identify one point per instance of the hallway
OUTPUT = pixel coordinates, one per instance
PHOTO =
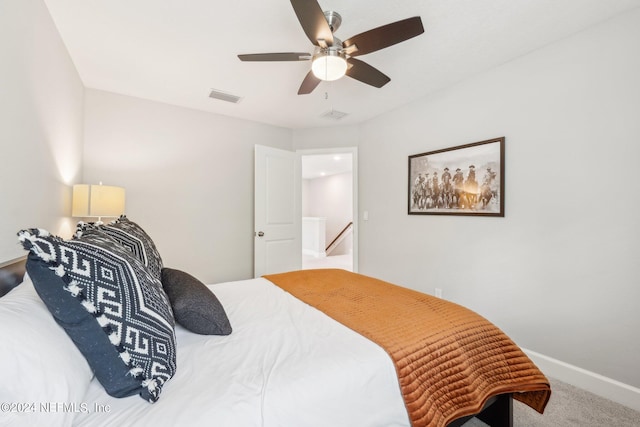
(344, 262)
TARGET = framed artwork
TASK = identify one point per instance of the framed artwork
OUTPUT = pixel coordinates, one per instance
(463, 180)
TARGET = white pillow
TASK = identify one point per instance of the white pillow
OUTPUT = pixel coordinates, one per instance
(44, 376)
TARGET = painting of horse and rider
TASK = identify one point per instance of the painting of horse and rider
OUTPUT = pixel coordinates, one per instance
(463, 180)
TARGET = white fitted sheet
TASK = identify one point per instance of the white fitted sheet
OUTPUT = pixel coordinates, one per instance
(285, 364)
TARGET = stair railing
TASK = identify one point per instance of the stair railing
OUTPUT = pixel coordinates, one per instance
(344, 230)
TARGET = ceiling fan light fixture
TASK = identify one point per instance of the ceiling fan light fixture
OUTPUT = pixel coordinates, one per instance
(329, 65)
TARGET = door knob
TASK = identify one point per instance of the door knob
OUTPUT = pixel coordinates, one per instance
(260, 233)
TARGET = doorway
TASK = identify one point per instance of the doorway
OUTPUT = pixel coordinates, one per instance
(329, 208)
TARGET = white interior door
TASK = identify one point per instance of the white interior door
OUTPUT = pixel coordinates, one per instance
(278, 211)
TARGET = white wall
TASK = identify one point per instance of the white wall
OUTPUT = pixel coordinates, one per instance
(331, 197)
(40, 124)
(340, 136)
(560, 272)
(188, 176)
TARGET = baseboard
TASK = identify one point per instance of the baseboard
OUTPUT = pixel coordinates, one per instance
(600, 385)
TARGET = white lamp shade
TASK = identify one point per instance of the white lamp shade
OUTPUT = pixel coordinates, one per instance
(97, 201)
(329, 67)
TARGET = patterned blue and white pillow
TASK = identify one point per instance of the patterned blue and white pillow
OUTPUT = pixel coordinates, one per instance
(130, 235)
(110, 305)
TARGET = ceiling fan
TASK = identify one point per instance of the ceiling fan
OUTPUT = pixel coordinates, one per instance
(333, 58)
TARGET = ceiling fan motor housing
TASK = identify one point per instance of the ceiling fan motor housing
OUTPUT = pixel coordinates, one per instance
(333, 19)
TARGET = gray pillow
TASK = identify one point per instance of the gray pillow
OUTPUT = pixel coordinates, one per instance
(195, 307)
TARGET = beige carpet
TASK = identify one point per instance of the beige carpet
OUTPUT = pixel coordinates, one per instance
(572, 407)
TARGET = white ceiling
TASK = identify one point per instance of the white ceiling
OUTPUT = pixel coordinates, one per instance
(322, 165)
(176, 51)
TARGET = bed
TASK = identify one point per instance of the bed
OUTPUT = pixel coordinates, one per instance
(297, 356)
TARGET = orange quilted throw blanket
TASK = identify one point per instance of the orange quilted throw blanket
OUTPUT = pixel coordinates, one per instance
(449, 359)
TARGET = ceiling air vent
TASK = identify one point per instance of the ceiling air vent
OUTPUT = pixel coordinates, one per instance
(334, 115)
(216, 94)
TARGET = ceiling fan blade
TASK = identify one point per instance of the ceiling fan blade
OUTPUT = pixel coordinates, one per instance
(309, 83)
(280, 56)
(385, 36)
(365, 73)
(312, 20)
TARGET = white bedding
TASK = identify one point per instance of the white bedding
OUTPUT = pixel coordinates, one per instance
(285, 364)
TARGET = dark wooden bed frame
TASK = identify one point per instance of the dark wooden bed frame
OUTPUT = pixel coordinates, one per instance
(11, 274)
(497, 412)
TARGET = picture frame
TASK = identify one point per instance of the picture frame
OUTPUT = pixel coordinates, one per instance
(463, 180)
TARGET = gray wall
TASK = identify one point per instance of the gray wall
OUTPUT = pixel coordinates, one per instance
(188, 176)
(560, 272)
(41, 108)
